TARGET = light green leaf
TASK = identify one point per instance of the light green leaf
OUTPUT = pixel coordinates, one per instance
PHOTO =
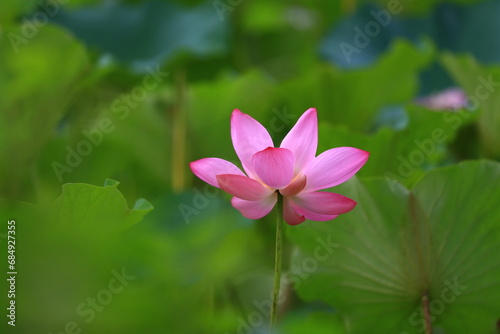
(399, 248)
(110, 183)
(143, 205)
(85, 207)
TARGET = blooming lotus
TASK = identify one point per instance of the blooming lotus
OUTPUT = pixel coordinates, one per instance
(451, 98)
(292, 170)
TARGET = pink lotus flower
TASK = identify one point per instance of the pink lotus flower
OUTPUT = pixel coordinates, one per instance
(293, 170)
(451, 98)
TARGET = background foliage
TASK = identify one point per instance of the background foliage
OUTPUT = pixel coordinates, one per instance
(132, 91)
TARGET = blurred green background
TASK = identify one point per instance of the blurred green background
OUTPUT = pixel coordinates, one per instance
(104, 103)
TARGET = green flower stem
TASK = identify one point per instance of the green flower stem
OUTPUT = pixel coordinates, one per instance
(279, 256)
